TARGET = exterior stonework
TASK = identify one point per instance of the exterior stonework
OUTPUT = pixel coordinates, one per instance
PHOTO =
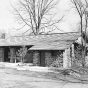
(50, 58)
(66, 58)
(53, 60)
(36, 58)
(28, 57)
(1, 54)
(12, 53)
(56, 58)
(52, 49)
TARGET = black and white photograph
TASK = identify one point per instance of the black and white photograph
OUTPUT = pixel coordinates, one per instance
(43, 43)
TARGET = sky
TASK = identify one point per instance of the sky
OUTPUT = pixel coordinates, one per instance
(6, 17)
(8, 23)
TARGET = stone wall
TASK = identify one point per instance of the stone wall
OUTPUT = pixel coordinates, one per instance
(28, 57)
(67, 58)
(86, 61)
(12, 53)
(36, 58)
(1, 54)
(48, 58)
(78, 55)
(59, 58)
(53, 58)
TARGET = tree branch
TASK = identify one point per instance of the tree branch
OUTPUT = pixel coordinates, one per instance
(53, 23)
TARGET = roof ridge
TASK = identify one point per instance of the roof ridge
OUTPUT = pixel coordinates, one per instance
(47, 34)
(60, 33)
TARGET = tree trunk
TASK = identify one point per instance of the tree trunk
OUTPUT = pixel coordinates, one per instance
(83, 58)
(85, 38)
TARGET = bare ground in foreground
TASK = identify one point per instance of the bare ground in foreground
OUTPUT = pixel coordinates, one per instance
(12, 78)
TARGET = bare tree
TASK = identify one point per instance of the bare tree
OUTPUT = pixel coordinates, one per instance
(81, 7)
(21, 54)
(36, 14)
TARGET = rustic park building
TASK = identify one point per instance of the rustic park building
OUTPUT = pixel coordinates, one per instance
(43, 50)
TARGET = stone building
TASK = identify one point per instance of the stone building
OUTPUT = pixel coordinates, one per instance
(43, 50)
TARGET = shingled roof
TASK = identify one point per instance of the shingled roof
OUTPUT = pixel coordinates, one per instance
(43, 42)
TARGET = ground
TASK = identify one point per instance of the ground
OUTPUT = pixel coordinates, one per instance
(13, 78)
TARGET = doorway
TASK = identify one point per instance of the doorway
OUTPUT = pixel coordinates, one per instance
(6, 54)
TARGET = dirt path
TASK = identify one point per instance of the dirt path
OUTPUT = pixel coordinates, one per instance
(11, 78)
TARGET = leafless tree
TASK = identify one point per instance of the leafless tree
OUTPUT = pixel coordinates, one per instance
(81, 7)
(21, 54)
(36, 14)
